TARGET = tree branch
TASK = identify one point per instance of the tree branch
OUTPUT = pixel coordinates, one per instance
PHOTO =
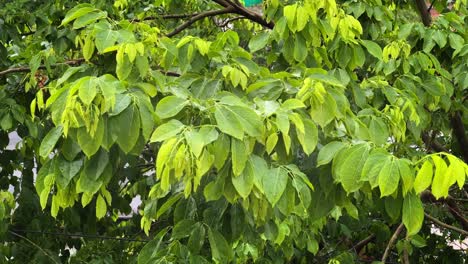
(392, 241)
(27, 69)
(423, 12)
(71, 63)
(427, 196)
(199, 17)
(166, 16)
(444, 225)
(241, 10)
(431, 143)
(361, 244)
(459, 131)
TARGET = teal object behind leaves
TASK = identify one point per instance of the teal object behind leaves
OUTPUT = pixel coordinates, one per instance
(248, 3)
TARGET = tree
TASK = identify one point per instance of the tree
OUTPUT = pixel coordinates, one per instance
(295, 131)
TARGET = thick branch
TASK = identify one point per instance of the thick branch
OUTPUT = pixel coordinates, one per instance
(27, 69)
(444, 225)
(392, 241)
(241, 10)
(459, 131)
(199, 17)
(424, 13)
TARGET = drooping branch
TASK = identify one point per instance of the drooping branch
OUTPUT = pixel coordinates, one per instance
(392, 241)
(199, 17)
(27, 69)
(444, 225)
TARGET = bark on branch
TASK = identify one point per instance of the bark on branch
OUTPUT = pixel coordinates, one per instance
(241, 10)
(27, 69)
(200, 16)
(424, 13)
(444, 225)
(392, 241)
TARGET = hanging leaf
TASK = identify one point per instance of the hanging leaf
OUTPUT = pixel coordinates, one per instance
(413, 214)
(170, 106)
(274, 184)
(49, 141)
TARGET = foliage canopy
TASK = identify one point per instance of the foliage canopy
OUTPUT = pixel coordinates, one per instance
(294, 131)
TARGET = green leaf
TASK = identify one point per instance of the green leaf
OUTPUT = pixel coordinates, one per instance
(221, 149)
(88, 18)
(197, 238)
(271, 142)
(393, 207)
(122, 101)
(239, 156)
(87, 90)
(250, 121)
(389, 177)
(259, 41)
(373, 48)
(348, 171)
(76, 12)
(68, 169)
(151, 249)
(228, 123)
(373, 166)
(221, 251)
(323, 112)
(442, 177)
(167, 130)
(170, 106)
(101, 207)
(91, 144)
(50, 140)
(182, 229)
(274, 184)
(105, 38)
(407, 174)
(168, 204)
(300, 49)
(308, 139)
(96, 165)
(424, 177)
(413, 214)
(125, 128)
(328, 152)
(245, 181)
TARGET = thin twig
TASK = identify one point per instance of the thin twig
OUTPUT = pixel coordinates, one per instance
(392, 241)
(361, 244)
(447, 226)
(27, 69)
(225, 23)
(241, 10)
(165, 16)
(34, 244)
(83, 236)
